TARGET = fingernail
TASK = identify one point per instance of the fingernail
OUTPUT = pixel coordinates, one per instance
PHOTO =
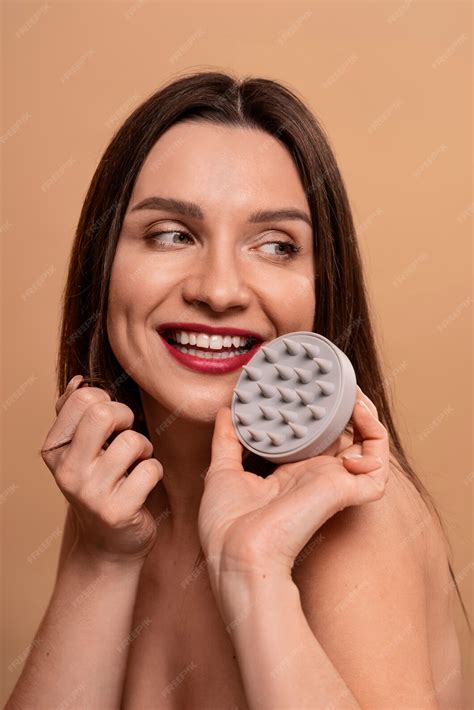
(361, 401)
(74, 381)
(352, 456)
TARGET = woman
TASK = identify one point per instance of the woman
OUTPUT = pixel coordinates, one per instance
(218, 211)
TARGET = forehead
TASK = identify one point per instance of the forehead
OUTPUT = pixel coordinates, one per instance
(220, 166)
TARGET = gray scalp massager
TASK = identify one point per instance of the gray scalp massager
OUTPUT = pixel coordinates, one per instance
(294, 397)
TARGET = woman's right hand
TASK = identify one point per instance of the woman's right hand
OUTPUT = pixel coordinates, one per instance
(112, 521)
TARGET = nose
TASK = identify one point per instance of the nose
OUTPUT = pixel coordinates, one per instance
(218, 279)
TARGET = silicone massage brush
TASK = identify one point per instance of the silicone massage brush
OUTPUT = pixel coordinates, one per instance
(294, 397)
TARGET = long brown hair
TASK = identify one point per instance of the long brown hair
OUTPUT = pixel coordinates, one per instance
(342, 312)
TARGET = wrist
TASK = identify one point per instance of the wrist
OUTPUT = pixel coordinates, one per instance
(101, 561)
(240, 593)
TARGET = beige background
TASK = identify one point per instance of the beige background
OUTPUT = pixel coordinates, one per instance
(391, 82)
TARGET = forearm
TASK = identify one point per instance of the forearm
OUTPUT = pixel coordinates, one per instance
(79, 659)
(282, 664)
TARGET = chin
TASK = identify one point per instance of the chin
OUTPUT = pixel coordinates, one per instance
(194, 409)
(204, 413)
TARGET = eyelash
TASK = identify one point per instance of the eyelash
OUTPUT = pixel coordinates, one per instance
(294, 248)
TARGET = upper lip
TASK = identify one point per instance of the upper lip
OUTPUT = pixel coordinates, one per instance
(213, 330)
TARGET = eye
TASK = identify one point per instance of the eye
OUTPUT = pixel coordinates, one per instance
(293, 249)
(156, 237)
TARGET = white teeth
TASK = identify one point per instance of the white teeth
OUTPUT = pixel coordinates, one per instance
(208, 355)
(216, 342)
(202, 340)
(213, 342)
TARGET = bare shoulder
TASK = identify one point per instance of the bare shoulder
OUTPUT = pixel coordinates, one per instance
(400, 526)
(364, 584)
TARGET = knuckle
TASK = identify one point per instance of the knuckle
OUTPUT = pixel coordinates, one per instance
(131, 439)
(110, 515)
(379, 483)
(380, 488)
(148, 469)
(67, 480)
(90, 395)
(100, 413)
(124, 407)
(152, 467)
(46, 455)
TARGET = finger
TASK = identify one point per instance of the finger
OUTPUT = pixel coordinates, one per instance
(354, 450)
(374, 435)
(361, 395)
(126, 449)
(359, 463)
(72, 385)
(135, 488)
(358, 438)
(370, 485)
(226, 449)
(68, 418)
(357, 435)
(97, 423)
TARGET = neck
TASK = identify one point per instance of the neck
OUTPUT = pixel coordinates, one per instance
(183, 447)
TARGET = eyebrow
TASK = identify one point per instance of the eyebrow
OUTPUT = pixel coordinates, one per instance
(191, 209)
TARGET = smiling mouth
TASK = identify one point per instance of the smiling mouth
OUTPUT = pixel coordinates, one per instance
(206, 352)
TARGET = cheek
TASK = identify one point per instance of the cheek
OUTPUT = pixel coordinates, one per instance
(120, 300)
(293, 303)
(128, 299)
(135, 284)
(129, 304)
(302, 288)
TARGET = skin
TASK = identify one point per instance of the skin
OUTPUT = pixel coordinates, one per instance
(250, 283)
(225, 275)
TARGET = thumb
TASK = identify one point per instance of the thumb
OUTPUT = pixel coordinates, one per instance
(226, 451)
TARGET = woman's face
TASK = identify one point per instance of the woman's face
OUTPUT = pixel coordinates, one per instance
(225, 270)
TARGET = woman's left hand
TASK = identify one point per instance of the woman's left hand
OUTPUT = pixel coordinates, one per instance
(250, 524)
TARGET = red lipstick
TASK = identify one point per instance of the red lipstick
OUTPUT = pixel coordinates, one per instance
(211, 366)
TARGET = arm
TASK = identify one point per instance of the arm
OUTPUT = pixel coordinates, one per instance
(362, 642)
(282, 663)
(69, 536)
(79, 659)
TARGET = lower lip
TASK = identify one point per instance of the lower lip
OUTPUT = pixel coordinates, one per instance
(211, 366)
